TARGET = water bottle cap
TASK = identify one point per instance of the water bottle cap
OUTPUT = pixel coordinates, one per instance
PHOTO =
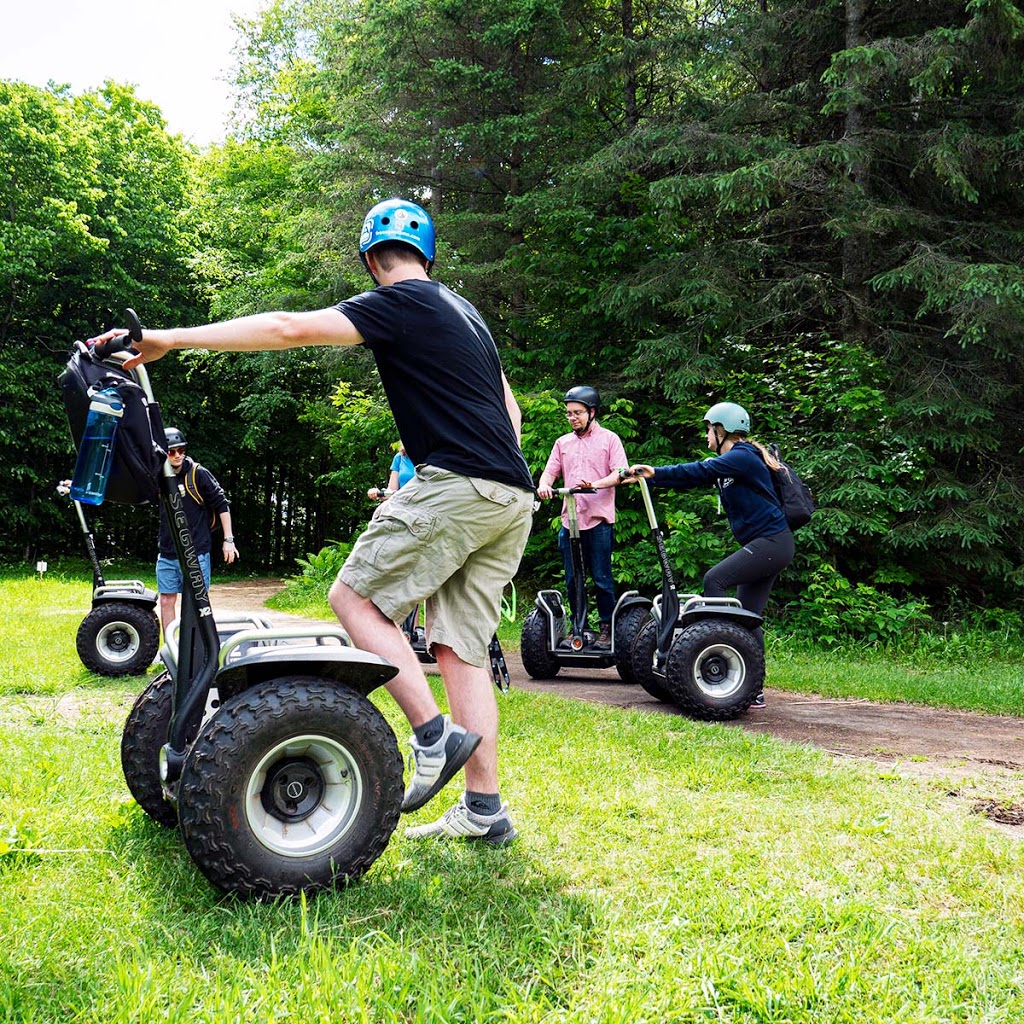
(107, 401)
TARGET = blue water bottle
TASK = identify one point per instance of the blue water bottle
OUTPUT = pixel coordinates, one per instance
(96, 452)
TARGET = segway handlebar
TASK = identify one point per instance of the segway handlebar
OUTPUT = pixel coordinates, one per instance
(123, 342)
(563, 491)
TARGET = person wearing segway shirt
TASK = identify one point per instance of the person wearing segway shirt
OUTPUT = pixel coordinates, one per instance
(740, 469)
(586, 452)
(204, 503)
(454, 535)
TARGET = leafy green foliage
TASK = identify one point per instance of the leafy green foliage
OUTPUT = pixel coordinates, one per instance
(95, 200)
(832, 612)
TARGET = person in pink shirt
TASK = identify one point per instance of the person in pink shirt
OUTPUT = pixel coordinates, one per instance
(588, 452)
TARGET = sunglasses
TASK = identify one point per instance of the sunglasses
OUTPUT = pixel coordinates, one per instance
(175, 451)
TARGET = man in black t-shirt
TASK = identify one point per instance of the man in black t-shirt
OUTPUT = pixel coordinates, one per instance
(455, 533)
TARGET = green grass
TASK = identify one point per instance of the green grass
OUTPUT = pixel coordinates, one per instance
(667, 871)
(979, 684)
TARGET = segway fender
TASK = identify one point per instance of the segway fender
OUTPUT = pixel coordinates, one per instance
(358, 670)
(739, 616)
(626, 602)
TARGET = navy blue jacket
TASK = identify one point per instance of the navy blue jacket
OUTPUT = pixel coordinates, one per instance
(745, 484)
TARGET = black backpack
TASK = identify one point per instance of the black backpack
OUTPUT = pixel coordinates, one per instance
(793, 494)
(139, 454)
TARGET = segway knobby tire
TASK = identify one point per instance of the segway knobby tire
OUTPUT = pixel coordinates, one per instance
(145, 732)
(293, 785)
(538, 660)
(627, 629)
(715, 669)
(118, 638)
(641, 662)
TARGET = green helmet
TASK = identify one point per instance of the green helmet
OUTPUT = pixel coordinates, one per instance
(733, 418)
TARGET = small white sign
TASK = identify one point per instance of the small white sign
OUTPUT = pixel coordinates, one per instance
(40, 567)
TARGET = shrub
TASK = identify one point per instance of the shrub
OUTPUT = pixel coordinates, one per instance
(832, 612)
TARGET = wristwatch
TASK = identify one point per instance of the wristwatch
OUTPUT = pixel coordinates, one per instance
(229, 540)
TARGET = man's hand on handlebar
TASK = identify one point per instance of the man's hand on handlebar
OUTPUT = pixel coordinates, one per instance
(148, 350)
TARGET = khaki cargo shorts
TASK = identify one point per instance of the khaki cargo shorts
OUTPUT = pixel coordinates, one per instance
(452, 540)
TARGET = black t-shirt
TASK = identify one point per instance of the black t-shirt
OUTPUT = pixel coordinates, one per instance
(440, 370)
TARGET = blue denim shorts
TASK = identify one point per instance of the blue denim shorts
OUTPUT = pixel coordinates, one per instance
(168, 573)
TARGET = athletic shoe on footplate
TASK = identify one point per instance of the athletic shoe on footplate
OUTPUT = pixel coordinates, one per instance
(433, 766)
(758, 702)
(459, 822)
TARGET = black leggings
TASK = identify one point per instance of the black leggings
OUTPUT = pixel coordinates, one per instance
(752, 570)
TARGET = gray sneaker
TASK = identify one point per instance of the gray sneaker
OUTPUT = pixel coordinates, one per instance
(459, 822)
(433, 766)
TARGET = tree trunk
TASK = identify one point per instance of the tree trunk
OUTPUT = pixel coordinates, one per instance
(855, 243)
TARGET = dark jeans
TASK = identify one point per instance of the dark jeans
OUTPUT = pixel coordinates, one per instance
(597, 558)
(752, 570)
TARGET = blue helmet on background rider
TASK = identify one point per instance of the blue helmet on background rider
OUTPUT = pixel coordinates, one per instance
(398, 220)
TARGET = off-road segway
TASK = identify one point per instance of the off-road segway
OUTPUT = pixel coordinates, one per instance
(121, 634)
(259, 743)
(703, 654)
(552, 638)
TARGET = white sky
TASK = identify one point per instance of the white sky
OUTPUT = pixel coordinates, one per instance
(177, 53)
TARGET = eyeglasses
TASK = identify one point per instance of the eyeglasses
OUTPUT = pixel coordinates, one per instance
(175, 451)
(575, 415)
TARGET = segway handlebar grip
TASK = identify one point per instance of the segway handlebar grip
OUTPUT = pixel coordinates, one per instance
(563, 491)
(124, 342)
(105, 349)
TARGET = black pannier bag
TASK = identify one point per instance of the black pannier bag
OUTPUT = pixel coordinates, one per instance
(140, 450)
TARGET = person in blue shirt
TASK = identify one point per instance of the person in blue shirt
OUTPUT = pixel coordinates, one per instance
(402, 471)
(740, 469)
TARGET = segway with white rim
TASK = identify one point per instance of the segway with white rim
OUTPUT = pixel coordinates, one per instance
(552, 639)
(121, 633)
(703, 654)
(260, 742)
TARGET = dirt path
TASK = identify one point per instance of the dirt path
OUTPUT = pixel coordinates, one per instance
(922, 740)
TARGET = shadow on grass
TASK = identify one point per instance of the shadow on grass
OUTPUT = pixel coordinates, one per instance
(429, 910)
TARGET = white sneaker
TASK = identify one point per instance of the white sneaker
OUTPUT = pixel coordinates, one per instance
(459, 822)
(434, 766)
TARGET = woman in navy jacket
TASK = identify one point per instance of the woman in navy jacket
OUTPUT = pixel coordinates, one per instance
(741, 470)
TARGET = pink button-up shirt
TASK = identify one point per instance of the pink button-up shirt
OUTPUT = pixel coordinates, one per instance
(589, 457)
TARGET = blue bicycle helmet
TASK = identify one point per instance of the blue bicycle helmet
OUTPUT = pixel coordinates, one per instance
(398, 220)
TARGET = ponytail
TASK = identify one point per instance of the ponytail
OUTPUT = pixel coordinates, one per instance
(769, 460)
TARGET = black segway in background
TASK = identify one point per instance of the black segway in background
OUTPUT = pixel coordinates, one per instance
(121, 635)
(417, 635)
(703, 654)
(260, 744)
(552, 638)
